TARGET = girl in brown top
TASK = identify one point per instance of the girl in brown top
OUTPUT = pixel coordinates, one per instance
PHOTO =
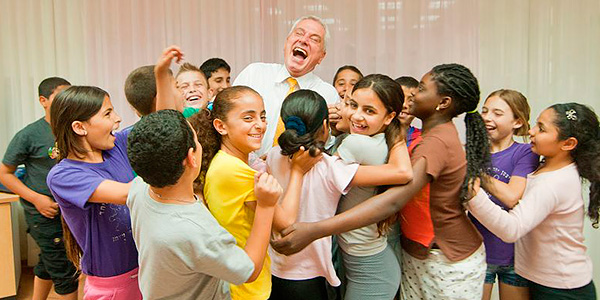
(441, 174)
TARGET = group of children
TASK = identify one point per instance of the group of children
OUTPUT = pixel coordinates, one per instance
(177, 206)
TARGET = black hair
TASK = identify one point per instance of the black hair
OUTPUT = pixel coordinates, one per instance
(302, 113)
(407, 81)
(457, 82)
(76, 103)
(157, 146)
(212, 65)
(391, 95)
(347, 67)
(579, 121)
(48, 85)
(140, 89)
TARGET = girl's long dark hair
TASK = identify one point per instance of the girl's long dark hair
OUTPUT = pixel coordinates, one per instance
(457, 82)
(579, 121)
(303, 112)
(76, 103)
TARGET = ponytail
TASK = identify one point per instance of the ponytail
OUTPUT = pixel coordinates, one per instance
(477, 150)
(457, 82)
(303, 113)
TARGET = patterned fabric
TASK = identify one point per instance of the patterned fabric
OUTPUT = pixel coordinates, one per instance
(439, 278)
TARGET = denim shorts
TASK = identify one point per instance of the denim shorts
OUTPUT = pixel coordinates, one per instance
(506, 275)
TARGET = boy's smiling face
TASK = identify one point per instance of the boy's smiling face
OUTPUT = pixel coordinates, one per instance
(194, 88)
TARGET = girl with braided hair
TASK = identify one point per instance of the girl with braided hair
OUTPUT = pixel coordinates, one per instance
(305, 116)
(442, 250)
(547, 224)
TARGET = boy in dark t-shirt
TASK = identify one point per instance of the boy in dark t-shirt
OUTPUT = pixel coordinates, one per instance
(33, 146)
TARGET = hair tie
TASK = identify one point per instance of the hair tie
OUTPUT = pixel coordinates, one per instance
(473, 111)
(295, 123)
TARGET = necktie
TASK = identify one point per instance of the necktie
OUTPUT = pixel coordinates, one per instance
(293, 83)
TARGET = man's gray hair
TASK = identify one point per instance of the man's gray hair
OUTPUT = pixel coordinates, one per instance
(317, 19)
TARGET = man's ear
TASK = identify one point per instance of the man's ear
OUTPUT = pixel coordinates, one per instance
(79, 128)
(324, 54)
(220, 126)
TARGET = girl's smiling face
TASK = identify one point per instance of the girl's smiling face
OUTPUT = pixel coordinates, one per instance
(499, 119)
(245, 124)
(544, 135)
(369, 116)
(100, 128)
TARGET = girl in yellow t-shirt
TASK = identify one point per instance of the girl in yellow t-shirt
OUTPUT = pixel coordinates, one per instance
(238, 119)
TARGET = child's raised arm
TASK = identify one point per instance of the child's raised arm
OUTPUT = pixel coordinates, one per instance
(267, 191)
(286, 211)
(165, 89)
(397, 171)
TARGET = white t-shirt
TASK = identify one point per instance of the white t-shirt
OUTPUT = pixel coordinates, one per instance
(269, 80)
(183, 252)
(322, 187)
(364, 150)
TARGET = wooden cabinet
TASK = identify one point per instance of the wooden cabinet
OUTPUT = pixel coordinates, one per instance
(8, 269)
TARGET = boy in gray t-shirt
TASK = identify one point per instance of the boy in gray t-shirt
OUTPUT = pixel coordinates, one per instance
(183, 251)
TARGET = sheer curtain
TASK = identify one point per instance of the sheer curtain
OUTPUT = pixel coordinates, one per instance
(547, 49)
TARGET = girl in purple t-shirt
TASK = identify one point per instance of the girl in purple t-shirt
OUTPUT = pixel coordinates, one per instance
(90, 184)
(506, 113)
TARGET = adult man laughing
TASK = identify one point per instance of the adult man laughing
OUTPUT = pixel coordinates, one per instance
(304, 49)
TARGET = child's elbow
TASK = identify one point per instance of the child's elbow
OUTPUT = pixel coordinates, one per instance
(405, 175)
(254, 275)
(282, 223)
(509, 238)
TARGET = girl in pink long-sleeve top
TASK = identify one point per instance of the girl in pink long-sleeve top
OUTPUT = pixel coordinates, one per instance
(547, 224)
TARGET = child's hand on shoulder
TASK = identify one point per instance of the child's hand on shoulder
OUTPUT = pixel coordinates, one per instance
(167, 56)
(266, 189)
(302, 161)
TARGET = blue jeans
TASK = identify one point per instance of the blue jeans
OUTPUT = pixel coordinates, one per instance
(506, 275)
